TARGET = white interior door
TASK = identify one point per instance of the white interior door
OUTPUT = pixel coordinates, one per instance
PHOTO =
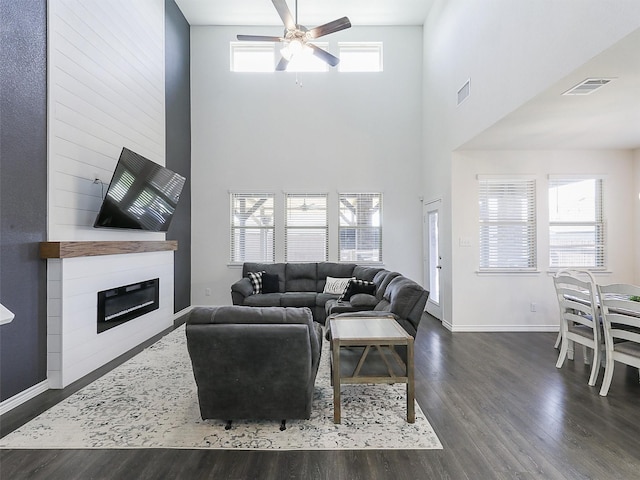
(432, 258)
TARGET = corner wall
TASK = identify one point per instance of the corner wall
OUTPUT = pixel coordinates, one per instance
(511, 51)
(636, 200)
(23, 197)
(178, 143)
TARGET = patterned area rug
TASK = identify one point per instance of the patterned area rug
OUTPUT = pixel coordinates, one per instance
(151, 402)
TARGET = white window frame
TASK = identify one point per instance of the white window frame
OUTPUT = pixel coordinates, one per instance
(351, 219)
(308, 230)
(237, 48)
(575, 224)
(265, 233)
(345, 49)
(507, 221)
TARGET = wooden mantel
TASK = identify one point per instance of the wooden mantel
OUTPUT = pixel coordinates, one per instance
(93, 248)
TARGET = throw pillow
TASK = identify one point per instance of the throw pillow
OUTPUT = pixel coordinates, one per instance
(256, 281)
(270, 283)
(356, 286)
(335, 285)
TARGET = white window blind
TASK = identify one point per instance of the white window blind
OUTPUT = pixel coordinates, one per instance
(360, 227)
(507, 224)
(576, 224)
(306, 228)
(252, 227)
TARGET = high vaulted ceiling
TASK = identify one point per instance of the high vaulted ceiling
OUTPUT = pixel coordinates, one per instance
(310, 12)
(606, 119)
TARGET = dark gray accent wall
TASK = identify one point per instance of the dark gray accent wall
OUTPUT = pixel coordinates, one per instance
(23, 193)
(178, 146)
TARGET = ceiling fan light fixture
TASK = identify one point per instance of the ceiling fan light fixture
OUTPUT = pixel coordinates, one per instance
(295, 46)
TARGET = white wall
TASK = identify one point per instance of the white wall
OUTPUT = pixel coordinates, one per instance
(636, 200)
(106, 91)
(511, 51)
(503, 301)
(340, 132)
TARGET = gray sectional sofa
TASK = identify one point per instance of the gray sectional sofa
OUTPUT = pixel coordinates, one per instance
(302, 285)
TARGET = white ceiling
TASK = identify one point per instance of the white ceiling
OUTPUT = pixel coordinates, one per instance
(311, 13)
(607, 119)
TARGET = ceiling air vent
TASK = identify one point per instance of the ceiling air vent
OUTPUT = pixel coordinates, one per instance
(588, 86)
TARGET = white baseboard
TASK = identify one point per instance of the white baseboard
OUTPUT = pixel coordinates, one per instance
(25, 395)
(504, 328)
(31, 392)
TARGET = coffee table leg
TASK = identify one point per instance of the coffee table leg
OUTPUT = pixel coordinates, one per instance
(336, 381)
(411, 388)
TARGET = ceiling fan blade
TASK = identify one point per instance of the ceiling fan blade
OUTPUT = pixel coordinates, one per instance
(285, 14)
(282, 65)
(258, 38)
(324, 55)
(330, 27)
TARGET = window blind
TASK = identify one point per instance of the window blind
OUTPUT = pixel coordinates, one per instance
(576, 223)
(252, 227)
(306, 228)
(360, 227)
(507, 224)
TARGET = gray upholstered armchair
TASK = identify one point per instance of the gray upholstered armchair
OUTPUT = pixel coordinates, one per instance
(254, 363)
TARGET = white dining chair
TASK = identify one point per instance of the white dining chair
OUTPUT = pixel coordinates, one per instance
(621, 324)
(579, 317)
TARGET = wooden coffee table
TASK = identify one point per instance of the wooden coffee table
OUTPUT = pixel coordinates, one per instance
(372, 334)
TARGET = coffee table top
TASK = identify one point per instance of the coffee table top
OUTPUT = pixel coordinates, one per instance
(368, 329)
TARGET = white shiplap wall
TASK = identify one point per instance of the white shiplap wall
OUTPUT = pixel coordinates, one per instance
(106, 91)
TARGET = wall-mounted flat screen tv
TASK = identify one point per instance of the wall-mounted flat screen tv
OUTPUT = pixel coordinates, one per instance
(142, 195)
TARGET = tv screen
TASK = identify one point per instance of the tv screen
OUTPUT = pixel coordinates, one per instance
(142, 195)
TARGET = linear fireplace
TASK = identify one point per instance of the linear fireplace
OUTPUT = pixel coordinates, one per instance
(122, 304)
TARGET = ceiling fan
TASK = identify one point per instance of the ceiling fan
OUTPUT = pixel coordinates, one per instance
(298, 37)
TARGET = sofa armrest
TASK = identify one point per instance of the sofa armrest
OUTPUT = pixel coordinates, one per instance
(240, 290)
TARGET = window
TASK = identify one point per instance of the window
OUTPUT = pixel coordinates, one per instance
(263, 57)
(306, 61)
(252, 57)
(306, 228)
(252, 227)
(576, 226)
(360, 57)
(507, 224)
(360, 227)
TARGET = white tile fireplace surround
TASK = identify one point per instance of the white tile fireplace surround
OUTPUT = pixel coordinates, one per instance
(74, 348)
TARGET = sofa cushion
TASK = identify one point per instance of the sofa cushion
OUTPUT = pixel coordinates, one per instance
(263, 300)
(323, 298)
(405, 298)
(382, 279)
(333, 269)
(301, 277)
(298, 299)
(366, 273)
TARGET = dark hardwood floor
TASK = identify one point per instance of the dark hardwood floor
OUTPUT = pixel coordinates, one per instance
(498, 404)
